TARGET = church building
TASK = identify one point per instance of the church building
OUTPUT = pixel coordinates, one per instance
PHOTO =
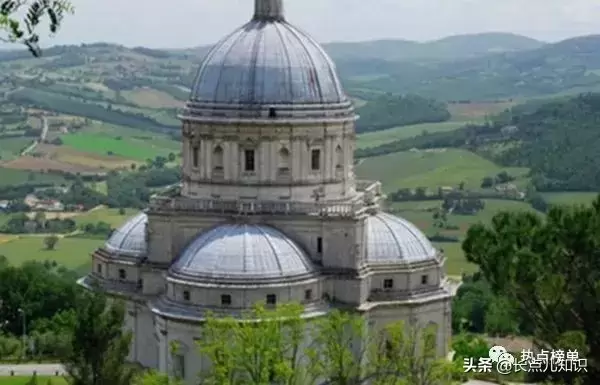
(269, 208)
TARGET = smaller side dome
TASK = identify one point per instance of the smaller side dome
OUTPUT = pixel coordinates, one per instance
(390, 239)
(129, 239)
(242, 251)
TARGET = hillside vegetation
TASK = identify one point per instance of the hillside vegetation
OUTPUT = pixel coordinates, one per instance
(570, 66)
(558, 140)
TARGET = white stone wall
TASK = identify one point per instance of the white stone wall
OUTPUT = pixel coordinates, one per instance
(246, 297)
(214, 161)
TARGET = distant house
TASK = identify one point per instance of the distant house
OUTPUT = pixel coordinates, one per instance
(49, 205)
(31, 200)
(4, 205)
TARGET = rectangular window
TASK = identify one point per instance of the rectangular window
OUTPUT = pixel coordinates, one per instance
(179, 368)
(319, 245)
(122, 274)
(249, 160)
(388, 283)
(99, 268)
(225, 299)
(315, 160)
(424, 279)
(271, 299)
(186, 295)
(308, 295)
(195, 156)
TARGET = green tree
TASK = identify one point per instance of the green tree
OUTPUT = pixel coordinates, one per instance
(550, 269)
(152, 377)
(99, 345)
(501, 318)
(254, 353)
(341, 352)
(20, 20)
(50, 242)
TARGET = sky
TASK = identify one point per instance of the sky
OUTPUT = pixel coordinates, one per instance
(190, 23)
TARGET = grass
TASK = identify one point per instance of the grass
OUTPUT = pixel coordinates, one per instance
(151, 98)
(570, 198)
(431, 169)
(123, 146)
(110, 216)
(377, 138)
(41, 380)
(70, 252)
(476, 112)
(420, 213)
(9, 177)
(12, 147)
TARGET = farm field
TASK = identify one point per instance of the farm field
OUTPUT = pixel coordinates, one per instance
(70, 252)
(10, 177)
(474, 112)
(110, 216)
(377, 138)
(151, 98)
(68, 155)
(421, 214)
(122, 146)
(570, 198)
(432, 169)
(12, 147)
(42, 380)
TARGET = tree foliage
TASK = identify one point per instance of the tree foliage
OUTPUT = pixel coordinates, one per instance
(99, 345)
(341, 351)
(550, 269)
(35, 12)
(388, 110)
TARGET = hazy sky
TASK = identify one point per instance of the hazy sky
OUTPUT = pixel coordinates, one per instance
(188, 23)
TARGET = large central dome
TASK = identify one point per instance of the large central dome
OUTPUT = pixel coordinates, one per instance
(267, 61)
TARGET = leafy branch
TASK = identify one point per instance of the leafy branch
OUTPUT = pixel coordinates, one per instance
(25, 29)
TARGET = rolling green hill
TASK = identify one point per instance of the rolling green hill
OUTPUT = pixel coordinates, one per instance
(570, 66)
(449, 48)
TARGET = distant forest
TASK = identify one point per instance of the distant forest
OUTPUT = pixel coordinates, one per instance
(558, 140)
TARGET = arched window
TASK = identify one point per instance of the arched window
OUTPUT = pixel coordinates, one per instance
(284, 160)
(218, 158)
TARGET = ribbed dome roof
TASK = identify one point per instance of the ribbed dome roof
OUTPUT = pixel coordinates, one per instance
(242, 251)
(129, 239)
(390, 239)
(267, 61)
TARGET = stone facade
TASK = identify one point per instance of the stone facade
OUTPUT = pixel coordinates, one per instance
(272, 184)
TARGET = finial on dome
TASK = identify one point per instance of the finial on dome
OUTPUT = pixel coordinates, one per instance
(268, 10)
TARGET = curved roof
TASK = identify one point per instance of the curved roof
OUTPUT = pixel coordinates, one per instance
(390, 239)
(242, 251)
(129, 239)
(267, 62)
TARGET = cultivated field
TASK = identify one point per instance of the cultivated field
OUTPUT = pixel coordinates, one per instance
(151, 98)
(475, 112)
(9, 177)
(110, 216)
(421, 214)
(25, 163)
(122, 146)
(377, 138)
(70, 252)
(431, 168)
(12, 147)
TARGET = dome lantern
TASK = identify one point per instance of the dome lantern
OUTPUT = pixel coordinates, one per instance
(268, 10)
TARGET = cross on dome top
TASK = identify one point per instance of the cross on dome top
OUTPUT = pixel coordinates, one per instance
(268, 10)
